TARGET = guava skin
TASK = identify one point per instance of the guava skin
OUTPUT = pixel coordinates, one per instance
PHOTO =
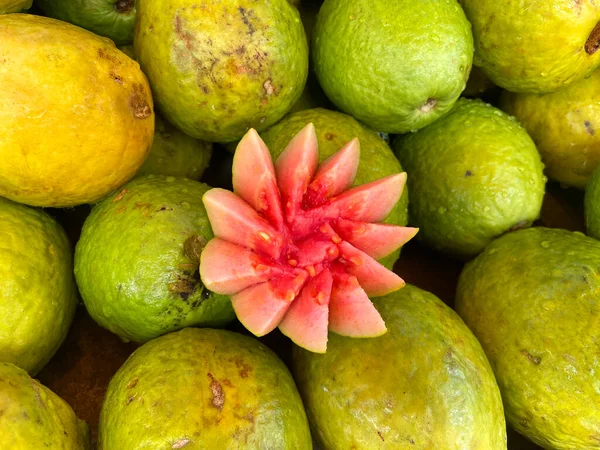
(592, 205)
(218, 69)
(394, 66)
(565, 126)
(423, 385)
(136, 263)
(202, 389)
(114, 19)
(14, 6)
(531, 298)
(533, 46)
(472, 175)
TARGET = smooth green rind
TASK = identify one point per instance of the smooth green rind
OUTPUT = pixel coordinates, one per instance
(175, 153)
(533, 46)
(592, 205)
(218, 69)
(472, 175)
(565, 127)
(37, 291)
(531, 298)
(203, 389)
(334, 130)
(136, 263)
(395, 66)
(425, 384)
(99, 16)
(33, 417)
(14, 6)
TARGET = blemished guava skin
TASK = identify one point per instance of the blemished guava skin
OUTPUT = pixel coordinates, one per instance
(531, 298)
(592, 205)
(33, 417)
(425, 384)
(535, 46)
(218, 69)
(565, 126)
(175, 153)
(14, 6)
(136, 263)
(394, 66)
(38, 295)
(472, 175)
(114, 19)
(334, 130)
(202, 389)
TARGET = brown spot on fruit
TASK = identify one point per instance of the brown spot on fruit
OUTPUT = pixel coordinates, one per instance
(468, 173)
(116, 78)
(268, 87)
(102, 54)
(534, 359)
(181, 443)
(330, 136)
(593, 43)
(589, 129)
(133, 383)
(244, 368)
(218, 399)
(120, 195)
(139, 103)
(428, 106)
(124, 6)
(246, 19)
(130, 399)
(519, 225)
(193, 246)
(380, 436)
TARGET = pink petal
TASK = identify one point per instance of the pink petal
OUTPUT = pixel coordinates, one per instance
(235, 221)
(306, 322)
(375, 239)
(295, 168)
(227, 269)
(335, 174)
(254, 178)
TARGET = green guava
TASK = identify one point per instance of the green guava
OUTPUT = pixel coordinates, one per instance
(531, 300)
(423, 385)
(175, 153)
(114, 19)
(38, 295)
(535, 46)
(201, 389)
(472, 175)
(565, 127)
(220, 68)
(33, 417)
(136, 263)
(394, 66)
(334, 130)
(14, 6)
(592, 205)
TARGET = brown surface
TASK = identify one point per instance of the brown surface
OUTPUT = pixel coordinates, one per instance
(82, 368)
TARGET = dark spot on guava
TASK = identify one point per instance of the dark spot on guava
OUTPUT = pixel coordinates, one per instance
(130, 399)
(524, 422)
(102, 54)
(180, 443)
(428, 106)
(380, 435)
(411, 440)
(124, 6)
(589, 129)
(268, 87)
(139, 102)
(65, 432)
(243, 368)
(519, 225)
(245, 18)
(120, 195)
(468, 173)
(593, 43)
(534, 359)
(584, 278)
(121, 209)
(226, 382)
(330, 136)
(205, 89)
(132, 383)
(193, 246)
(216, 389)
(206, 294)
(116, 78)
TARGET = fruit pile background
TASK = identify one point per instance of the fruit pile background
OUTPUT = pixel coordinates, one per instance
(496, 192)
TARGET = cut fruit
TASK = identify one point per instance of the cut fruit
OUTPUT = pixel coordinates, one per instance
(228, 268)
(375, 239)
(307, 321)
(293, 234)
(351, 313)
(260, 308)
